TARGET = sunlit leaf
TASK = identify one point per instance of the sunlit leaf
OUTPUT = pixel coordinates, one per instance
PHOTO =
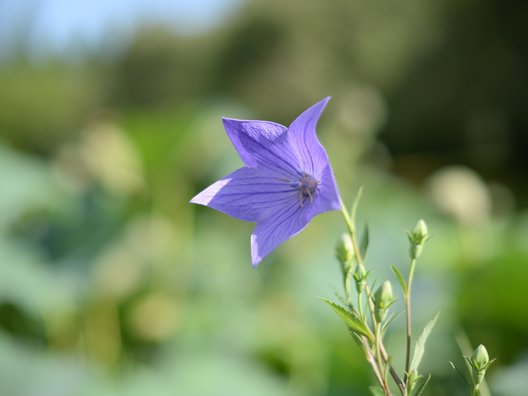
(355, 204)
(400, 278)
(363, 245)
(419, 347)
(352, 321)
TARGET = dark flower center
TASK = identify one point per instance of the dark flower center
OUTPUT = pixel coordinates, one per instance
(307, 187)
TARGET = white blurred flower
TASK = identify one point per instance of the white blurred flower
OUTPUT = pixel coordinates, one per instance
(147, 242)
(111, 156)
(155, 317)
(461, 192)
(104, 153)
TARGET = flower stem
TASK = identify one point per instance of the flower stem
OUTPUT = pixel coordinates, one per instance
(363, 342)
(369, 355)
(360, 305)
(409, 327)
(379, 356)
(349, 221)
(346, 284)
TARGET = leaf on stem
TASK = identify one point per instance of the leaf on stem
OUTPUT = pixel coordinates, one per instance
(354, 323)
(389, 320)
(355, 204)
(423, 385)
(363, 245)
(400, 278)
(461, 375)
(342, 299)
(419, 347)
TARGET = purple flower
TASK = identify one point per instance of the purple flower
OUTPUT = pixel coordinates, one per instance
(287, 179)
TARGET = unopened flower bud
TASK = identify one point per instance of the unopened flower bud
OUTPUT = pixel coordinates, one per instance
(383, 299)
(480, 356)
(417, 238)
(479, 363)
(420, 230)
(360, 276)
(345, 252)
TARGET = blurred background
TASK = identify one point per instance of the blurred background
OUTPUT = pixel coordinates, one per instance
(110, 121)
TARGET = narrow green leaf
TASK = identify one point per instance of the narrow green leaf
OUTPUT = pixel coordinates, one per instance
(423, 385)
(419, 347)
(389, 320)
(373, 287)
(355, 204)
(351, 320)
(400, 278)
(342, 299)
(460, 374)
(363, 245)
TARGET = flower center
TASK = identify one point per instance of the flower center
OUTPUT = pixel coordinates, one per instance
(307, 187)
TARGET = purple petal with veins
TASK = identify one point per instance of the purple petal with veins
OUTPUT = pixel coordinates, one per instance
(286, 181)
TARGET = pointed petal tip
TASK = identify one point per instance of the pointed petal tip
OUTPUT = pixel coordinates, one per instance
(255, 256)
(322, 102)
(255, 259)
(200, 199)
(228, 121)
(313, 112)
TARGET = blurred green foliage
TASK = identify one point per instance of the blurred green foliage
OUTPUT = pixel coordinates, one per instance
(112, 284)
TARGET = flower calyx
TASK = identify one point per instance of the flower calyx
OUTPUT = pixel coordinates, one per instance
(383, 299)
(479, 363)
(417, 238)
(344, 252)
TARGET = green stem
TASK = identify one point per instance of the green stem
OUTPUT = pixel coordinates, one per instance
(360, 306)
(379, 356)
(352, 231)
(409, 327)
(348, 291)
(363, 343)
(349, 221)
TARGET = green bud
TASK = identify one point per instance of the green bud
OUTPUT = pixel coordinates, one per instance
(345, 252)
(360, 276)
(383, 298)
(480, 357)
(479, 363)
(420, 230)
(417, 238)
